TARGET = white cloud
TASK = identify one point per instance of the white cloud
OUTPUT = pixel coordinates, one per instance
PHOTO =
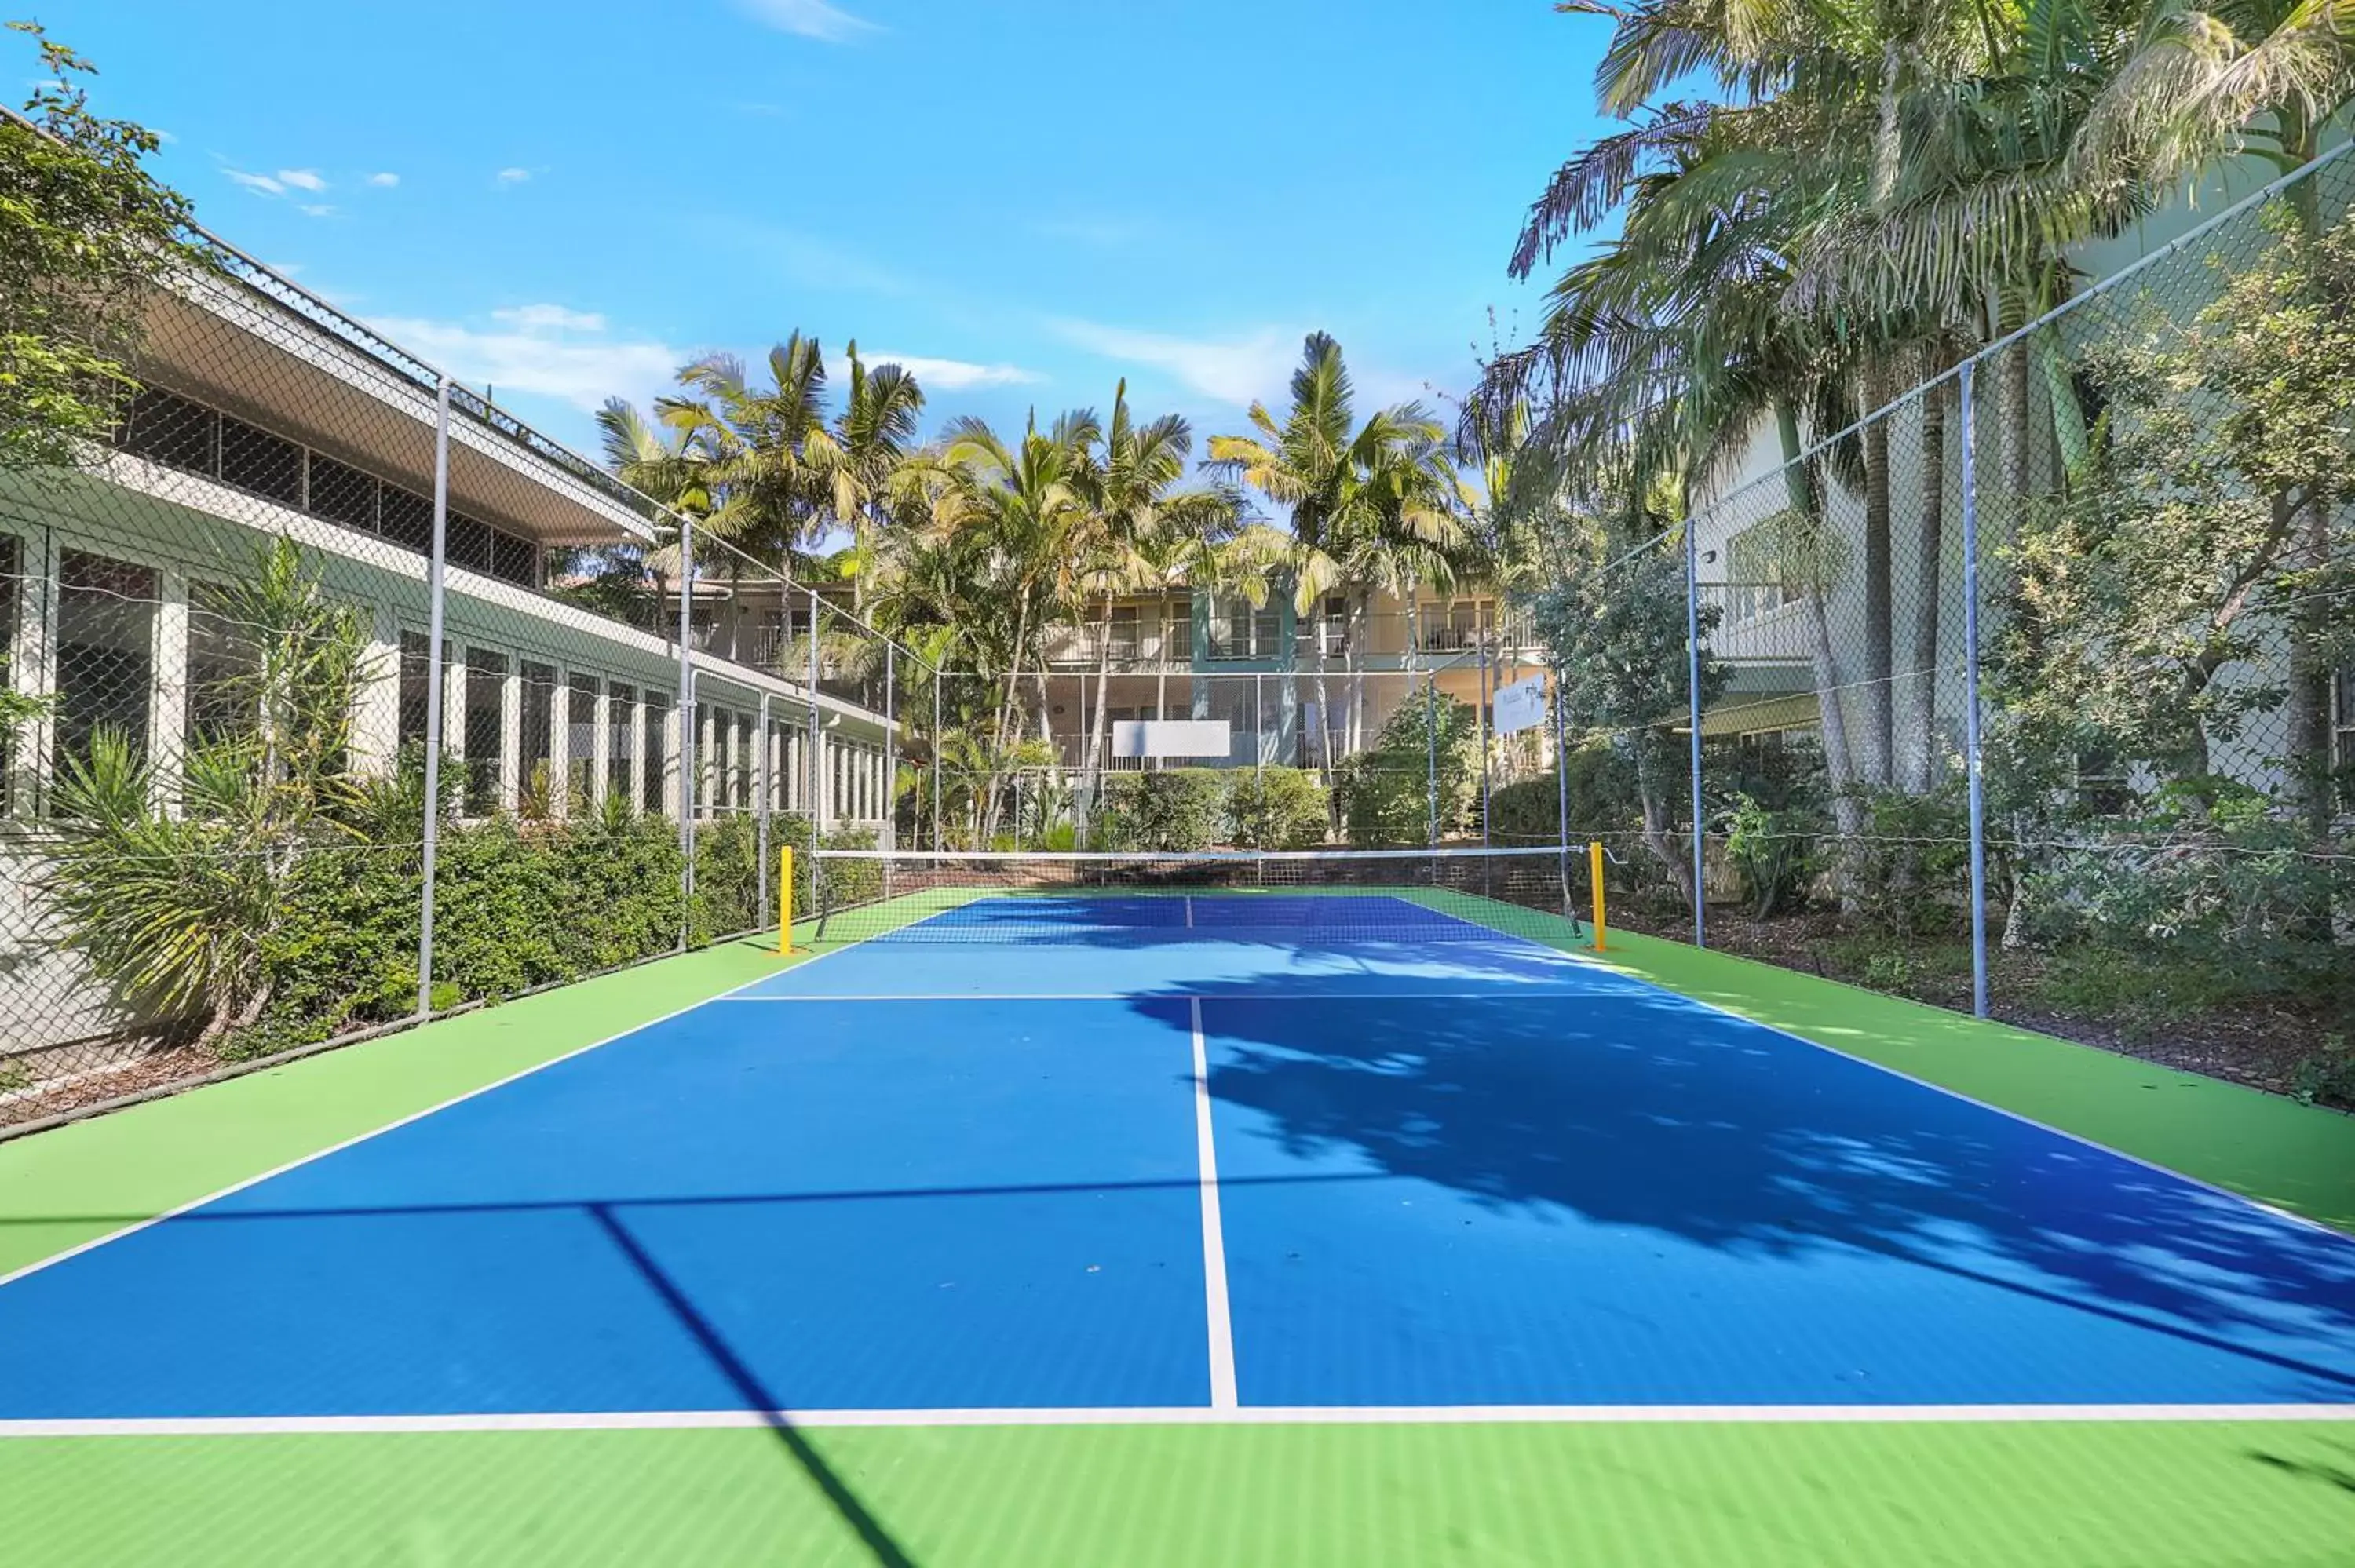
(512, 176)
(550, 318)
(317, 209)
(384, 182)
(956, 375)
(302, 179)
(808, 18)
(261, 183)
(1232, 371)
(545, 350)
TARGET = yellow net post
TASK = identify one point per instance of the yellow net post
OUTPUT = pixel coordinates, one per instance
(785, 901)
(1595, 865)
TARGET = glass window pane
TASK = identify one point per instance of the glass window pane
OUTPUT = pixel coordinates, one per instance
(256, 461)
(621, 756)
(539, 739)
(170, 430)
(512, 559)
(106, 652)
(221, 662)
(657, 752)
(486, 673)
(406, 518)
(580, 742)
(416, 693)
(341, 494)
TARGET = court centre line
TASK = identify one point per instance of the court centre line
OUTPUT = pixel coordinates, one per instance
(1183, 1416)
(235, 1187)
(1214, 1240)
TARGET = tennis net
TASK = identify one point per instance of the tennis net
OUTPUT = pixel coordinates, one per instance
(1337, 896)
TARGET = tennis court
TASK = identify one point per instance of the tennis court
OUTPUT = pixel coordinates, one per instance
(1227, 1153)
(1003, 1165)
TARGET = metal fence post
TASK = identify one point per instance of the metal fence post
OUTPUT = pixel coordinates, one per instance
(1431, 758)
(761, 819)
(1483, 718)
(687, 728)
(1692, 691)
(817, 802)
(939, 680)
(433, 585)
(891, 748)
(1974, 758)
(1561, 793)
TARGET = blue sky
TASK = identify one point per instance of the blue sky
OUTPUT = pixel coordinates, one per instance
(1027, 199)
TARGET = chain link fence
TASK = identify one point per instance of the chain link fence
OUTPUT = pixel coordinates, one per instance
(2033, 693)
(311, 586)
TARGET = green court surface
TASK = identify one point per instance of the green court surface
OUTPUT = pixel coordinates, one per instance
(1797, 1491)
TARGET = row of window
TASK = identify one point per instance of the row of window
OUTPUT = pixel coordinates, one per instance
(106, 676)
(165, 428)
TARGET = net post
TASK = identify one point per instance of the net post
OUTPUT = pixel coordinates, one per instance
(785, 900)
(433, 593)
(1595, 870)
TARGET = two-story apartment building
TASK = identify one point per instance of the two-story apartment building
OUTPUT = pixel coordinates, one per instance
(270, 415)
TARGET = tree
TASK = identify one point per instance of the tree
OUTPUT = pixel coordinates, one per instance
(86, 232)
(1370, 505)
(2183, 552)
(857, 457)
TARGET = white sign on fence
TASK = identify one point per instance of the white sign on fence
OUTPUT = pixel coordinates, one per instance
(1521, 705)
(1170, 737)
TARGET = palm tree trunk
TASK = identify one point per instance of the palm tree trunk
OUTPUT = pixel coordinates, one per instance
(1839, 761)
(1092, 766)
(2312, 619)
(1922, 714)
(1878, 728)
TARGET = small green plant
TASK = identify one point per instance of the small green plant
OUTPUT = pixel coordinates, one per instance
(1889, 972)
(2326, 1076)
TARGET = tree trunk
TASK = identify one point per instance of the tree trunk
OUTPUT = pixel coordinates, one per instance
(2312, 621)
(1921, 713)
(1878, 728)
(1839, 761)
(1090, 764)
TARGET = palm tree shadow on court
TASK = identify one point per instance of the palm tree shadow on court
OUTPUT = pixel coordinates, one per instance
(757, 1397)
(1636, 1108)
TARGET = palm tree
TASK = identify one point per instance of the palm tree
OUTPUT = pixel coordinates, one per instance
(856, 458)
(1370, 505)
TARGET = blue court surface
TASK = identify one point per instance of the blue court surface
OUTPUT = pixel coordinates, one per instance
(1103, 1158)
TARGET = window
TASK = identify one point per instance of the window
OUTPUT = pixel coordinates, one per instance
(581, 744)
(2102, 787)
(466, 541)
(1333, 627)
(656, 755)
(416, 686)
(1239, 631)
(621, 749)
(741, 795)
(106, 653)
(535, 753)
(405, 517)
(486, 680)
(342, 494)
(221, 664)
(256, 461)
(171, 430)
(1754, 577)
(514, 560)
(1125, 636)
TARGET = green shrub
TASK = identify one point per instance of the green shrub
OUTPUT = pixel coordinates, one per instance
(1173, 811)
(2326, 1076)
(1383, 793)
(1910, 872)
(1774, 850)
(1277, 808)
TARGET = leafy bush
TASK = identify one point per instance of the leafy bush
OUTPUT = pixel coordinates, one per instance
(1910, 872)
(1383, 793)
(1277, 808)
(1177, 810)
(2326, 1076)
(1774, 850)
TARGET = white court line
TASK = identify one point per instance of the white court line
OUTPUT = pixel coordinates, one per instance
(1214, 1238)
(1185, 1415)
(235, 1187)
(1533, 994)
